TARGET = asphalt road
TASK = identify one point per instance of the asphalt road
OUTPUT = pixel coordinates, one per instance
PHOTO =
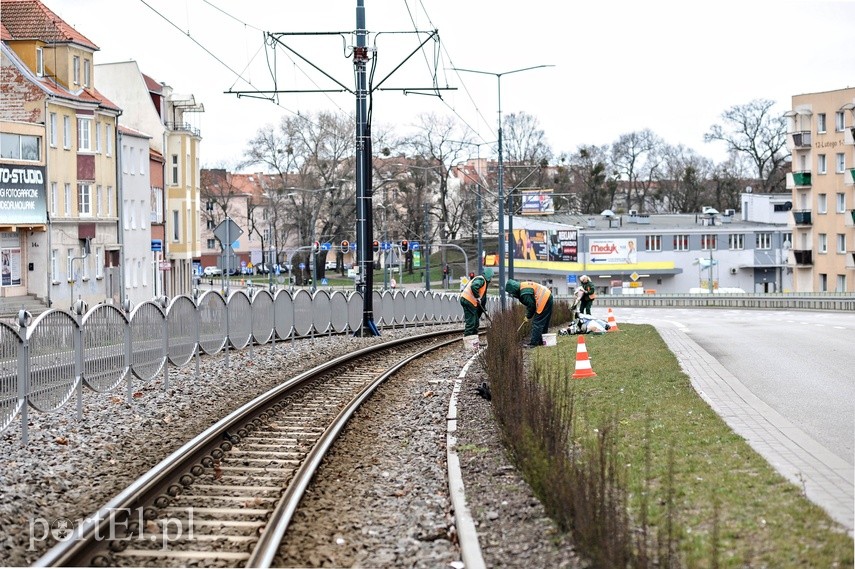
(802, 364)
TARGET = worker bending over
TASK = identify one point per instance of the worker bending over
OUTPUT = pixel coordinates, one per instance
(538, 301)
(473, 299)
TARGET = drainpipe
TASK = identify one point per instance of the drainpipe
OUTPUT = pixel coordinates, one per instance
(47, 213)
(120, 225)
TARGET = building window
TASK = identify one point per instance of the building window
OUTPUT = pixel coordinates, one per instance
(823, 282)
(822, 164)
(763, 241)
(53, 130)
(839, 121)
(176, 233)
(84, 134)
(76, 69)
(651, 242)
(822, 203)
(84, 197)
(820, 122)
(54, 198)
(66, 132)
(142, 214)
(681, 242)
(68, 200)
(174, 170)
(40, 62)
(99, 262)
(841, 243)
(736, 241)
(126, 215)
(209, 223)
(20, 147)
(142, 161)
(212, 243)
(108, 136)
(87, 72)
(69, 255)
(124, 159)
(99, 196)
(841, 202)
(137, 271)
(98, 137)
(709, 242)
(128, 273)
(841, 283)
(840, 161)
(823, 243)
(109, 201)
(54, 266)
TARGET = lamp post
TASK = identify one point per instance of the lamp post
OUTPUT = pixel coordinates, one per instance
(480, 215)
(498, 77)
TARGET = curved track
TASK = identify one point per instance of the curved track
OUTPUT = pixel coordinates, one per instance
(226, 497)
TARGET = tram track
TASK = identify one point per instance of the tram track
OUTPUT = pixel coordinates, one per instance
(219, 500)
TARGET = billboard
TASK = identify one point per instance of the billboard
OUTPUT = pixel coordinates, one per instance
(530, 245)
(613, 251)
(564, 245)
(23, 198)
(537, 202)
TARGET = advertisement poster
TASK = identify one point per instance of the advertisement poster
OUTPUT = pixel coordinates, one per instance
(613, 251)
(530, 245)
(564, 245)
(11, 267)
(537, 202)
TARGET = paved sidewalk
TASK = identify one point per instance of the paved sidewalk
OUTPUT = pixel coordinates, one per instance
(827, 480)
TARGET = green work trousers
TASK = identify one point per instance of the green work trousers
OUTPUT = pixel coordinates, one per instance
(471, 317)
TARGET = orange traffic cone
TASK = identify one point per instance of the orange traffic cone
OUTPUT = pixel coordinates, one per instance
(612, 322)
(583, 362)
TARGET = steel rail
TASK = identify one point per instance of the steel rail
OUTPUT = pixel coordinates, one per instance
(85, 544)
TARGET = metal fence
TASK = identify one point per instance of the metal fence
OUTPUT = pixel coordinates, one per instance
(45, 362)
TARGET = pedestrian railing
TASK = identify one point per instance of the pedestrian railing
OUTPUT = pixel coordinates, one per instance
(47, 361)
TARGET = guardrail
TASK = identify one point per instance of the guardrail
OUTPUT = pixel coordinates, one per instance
(772, 301)
(46, 361)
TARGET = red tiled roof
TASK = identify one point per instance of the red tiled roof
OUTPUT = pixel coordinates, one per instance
(153, 86)
(30, 19)
(4, 33)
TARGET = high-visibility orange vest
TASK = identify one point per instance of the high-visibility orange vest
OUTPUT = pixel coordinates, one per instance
(541, 294)
(470, 294)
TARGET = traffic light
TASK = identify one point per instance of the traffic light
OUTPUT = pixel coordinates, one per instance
(316, 246)
(345, 246)
(376, 245)
(405, 245)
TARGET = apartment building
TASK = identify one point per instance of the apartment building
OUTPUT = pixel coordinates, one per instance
(58, 217)
(821, 137)
(154, 108)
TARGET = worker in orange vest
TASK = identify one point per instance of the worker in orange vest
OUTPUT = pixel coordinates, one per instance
(538, 302)
(473, 299)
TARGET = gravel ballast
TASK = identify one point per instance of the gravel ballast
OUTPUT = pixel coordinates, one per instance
(70, 468)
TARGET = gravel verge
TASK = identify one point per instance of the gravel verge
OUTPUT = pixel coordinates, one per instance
(70, 468)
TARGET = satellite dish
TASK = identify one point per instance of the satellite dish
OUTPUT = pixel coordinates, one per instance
(608, 213)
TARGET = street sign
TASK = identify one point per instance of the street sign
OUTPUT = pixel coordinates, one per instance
(302, 266)
(414, 245)
(325, 246)
(227, 231)
(571, 279)
(157, 245)
(324, 281)
(385, 245)
(634, 276)
(165, 266)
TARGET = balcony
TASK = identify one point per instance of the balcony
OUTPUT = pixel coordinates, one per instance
(802, 217)
(803, 256)
(801, 178)
(849, 135)
(852, 174)
(183, 126)
(801, 139)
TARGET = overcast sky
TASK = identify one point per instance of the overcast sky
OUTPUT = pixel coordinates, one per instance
(619, 65)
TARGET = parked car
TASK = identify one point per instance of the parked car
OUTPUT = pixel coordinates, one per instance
(212, 272)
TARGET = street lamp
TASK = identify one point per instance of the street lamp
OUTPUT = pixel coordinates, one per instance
(480, 213)
(501, 173)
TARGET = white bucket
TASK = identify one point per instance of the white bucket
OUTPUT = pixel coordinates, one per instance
(471, 342)
(550, 339)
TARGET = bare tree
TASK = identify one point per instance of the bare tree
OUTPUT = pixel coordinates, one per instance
(636, 157)
(756, 131)
(683, 183)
